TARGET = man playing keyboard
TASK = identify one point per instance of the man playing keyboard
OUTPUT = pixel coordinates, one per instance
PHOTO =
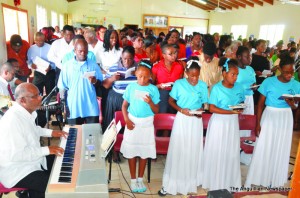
(23, 161)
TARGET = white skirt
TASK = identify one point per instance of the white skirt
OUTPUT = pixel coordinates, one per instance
(270, 161)
(139, 142)
(184, 164)
(249, 110)
(222, 153)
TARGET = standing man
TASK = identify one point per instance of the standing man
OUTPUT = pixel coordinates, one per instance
(17, 49)
(77, 77)
(61, 47)
(94, 44)
(23, 162)
(40, 50)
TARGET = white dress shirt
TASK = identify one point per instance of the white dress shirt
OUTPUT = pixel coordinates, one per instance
(58, 50)
(20, 149)
(110, 58)
(3, 87)
(97, 50)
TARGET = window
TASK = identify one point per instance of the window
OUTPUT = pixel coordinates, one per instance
(15, 22)
(41, 18)
(54, 21)
(239, 30)
(61, 21)
(216, 28)
(273, 33)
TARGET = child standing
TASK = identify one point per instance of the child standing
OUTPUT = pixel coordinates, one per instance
(246, 77)
(222, 145)
(274, 126)
(139, 140)
(184, 165)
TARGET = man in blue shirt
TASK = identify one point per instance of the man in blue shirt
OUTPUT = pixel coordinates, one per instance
(81, 76)
(42, 77)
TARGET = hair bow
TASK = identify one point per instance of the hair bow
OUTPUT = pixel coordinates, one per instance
(190, 62)
(145, 64)
(226, 65)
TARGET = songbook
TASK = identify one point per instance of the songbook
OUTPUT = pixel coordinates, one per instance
(195, 112)
(109, 137)
(140, 94)
(125, 74)
(41, 65)
(266, 73)
(254, 86)
(88, 74)
(169, 84)
(237, 107)
(290, 96)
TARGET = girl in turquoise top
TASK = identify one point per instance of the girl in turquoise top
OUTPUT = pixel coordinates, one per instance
(246, 77)
(139, 140)
(222, 143)
(274, 126)
(184, 163)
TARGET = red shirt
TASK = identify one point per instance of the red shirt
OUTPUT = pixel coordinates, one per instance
(163, 75)
(138, 57)
(21, 57)
(181, 52)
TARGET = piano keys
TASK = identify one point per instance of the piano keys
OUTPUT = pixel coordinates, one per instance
(80, 172)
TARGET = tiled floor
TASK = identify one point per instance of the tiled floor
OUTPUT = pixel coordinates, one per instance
(120, 172)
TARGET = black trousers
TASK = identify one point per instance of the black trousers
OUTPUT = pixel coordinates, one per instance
(48, 81)
(36, 182)
(85, 120)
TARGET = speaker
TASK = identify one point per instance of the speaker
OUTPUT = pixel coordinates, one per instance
(223, 193)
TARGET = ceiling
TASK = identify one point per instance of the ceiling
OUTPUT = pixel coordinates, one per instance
(224, 4)
(227, 4)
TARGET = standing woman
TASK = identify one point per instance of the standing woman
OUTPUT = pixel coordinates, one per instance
(222, 145)
(246, 77)
(184, 165)
(137, 43)
(173, 38)
(274, 126)
(150, 47)
(196, 46)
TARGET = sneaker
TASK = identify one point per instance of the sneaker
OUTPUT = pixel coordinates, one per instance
(134, 187)
(141, 186)
(162, 192)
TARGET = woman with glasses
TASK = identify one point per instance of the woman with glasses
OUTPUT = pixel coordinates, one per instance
(270, 161)
(137, 43)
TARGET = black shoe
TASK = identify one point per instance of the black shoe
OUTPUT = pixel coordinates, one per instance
(22, 194)
(162, 192)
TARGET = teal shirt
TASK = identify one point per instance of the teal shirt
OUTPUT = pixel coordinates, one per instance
(189, 96)
(246, 78)
(222, 97)
(272, 89)
(137, 106)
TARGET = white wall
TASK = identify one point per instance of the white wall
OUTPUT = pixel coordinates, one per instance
(289, 15)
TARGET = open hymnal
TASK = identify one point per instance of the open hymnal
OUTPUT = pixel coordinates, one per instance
(254, 86)
(169, 84)
(290, 96)
(89, 74)
(195, 112)
(266, 73)
(41, 65)
(125, 74)
(110, 136)
(140, 94)
(237, 107)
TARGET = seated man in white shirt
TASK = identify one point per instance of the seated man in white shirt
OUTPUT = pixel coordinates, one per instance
(23, 162)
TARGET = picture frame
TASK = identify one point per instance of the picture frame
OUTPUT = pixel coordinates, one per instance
(161, 21)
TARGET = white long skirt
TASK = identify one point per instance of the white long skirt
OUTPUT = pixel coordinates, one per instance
(270, 161)
(222, 153)
(139, 142)
(249, 110)
(184, 164)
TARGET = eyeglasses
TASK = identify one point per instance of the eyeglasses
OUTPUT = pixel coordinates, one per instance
(33, 96)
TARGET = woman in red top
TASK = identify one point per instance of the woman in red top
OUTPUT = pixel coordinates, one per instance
(137, 43)
(166, 71)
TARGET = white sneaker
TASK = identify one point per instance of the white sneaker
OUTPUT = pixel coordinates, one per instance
(134, 187)
(141, 186)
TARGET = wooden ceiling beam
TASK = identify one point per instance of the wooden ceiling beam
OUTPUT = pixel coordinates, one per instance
(269, 1)
(198, 5)
(258, 2)
(237, 3)
(247, 2)
(231, 4)
(221, 4)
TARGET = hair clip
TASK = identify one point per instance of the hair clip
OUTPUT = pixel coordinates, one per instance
(190, 62)
(226, 65)
(145, 64)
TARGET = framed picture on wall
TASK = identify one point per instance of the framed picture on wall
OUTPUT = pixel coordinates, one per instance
(155, 20)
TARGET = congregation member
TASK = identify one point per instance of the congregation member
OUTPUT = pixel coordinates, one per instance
(17, 48)
(211, 72)
(7, 74)
(173, 38)
(137, 43)
(150, 47)
(76, 77)
(49, 35)
(230, 51)
(42, 77)
(61, 47)
(196, 46)
(95, 45)
(15, 82)
(24, 163)
(57, 32)
(246, 77)
(139, 106)
(184, 164)
(166, 71)
(270, 162)
(100, 31)
(224, 42)
(222, 143)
